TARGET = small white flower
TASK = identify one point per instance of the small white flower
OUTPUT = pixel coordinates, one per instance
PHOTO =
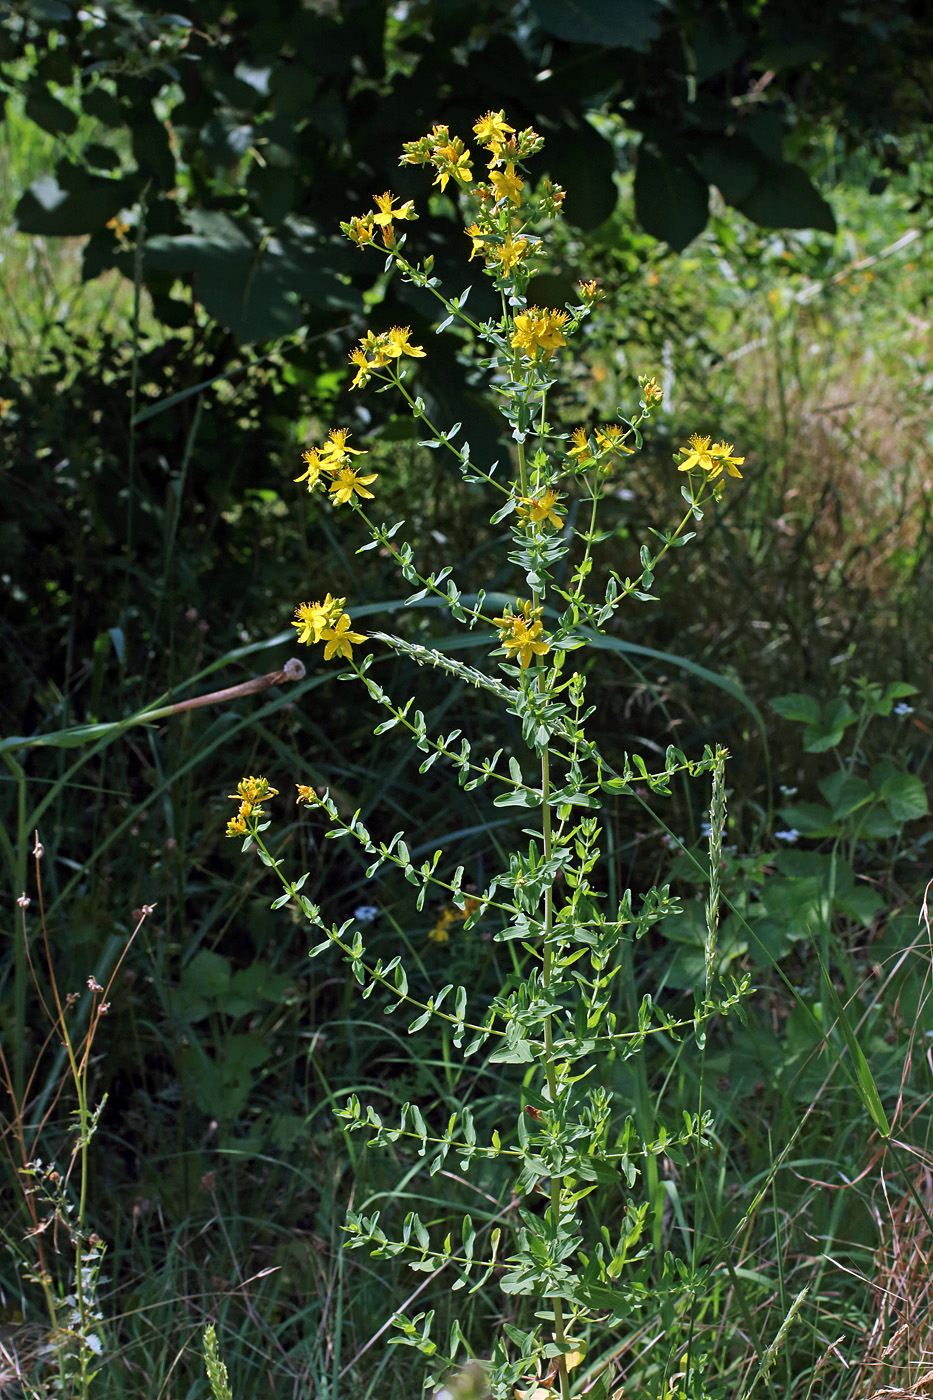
(366, 913)
(789, 836)
(903, 709)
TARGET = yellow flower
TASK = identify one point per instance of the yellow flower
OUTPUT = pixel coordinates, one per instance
(250, 792)
(452, 160)
(509, 252)
(440, 933)
(387, 213)
(340, 640)
(376, 351)
(520, 635)
(610, 438)
(591, 293)
(651, 390)
(384, 219)
(539, 510)
(313, 618)
(492, 129)
(397, 343)
(363, 367)
(722, 454)
(478, 237)
(346, 482)
(539, 330)
(581, 448)
(697, 455)
(306, 794)
(253, 790)
(120, 230)
(335, 452)
(313, 468)
(360, 230)
(374, 347)
(507, 184)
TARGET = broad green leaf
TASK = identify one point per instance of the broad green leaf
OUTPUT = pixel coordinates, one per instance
(828, 733)
(249, 281)
(862, 905)
(905, 797)
(53, 116)
(784, 197)
(72, 202)
(730, 164)
(671, 197)
(809, 818)
(797, 707)
(630, 24)
(585, 164)
(844, 792)
(153, 152)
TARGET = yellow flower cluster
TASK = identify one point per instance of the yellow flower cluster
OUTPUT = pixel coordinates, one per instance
(446, 153)
(327, 622)
(250, 794)
(362, 229)
(606, 441)
(539, 331)
(440, 933)
(713, 460)
(374, 352)
(521, 634)
(651, 390)
(333, 463)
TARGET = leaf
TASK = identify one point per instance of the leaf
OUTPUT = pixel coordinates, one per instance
(829, 732)
(784, 197)
(809, 818)
(152, 152)
(521, 797)
(50, 11)
(797, 707)
(844, 792)
(251, 283)
(729, 163)
(905, 797)
(865, 1082)
(72, 202)
(522, 1052)
(629, 24)
(53, 116)
(585, 164)
(862, 905)
(671, 197)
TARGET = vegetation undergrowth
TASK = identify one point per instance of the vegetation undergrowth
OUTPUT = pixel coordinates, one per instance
(221, 1034)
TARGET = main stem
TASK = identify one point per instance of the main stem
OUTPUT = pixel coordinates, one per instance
(550, 1071)
(549, 1067)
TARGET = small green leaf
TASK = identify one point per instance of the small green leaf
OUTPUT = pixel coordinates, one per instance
(797, 707)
